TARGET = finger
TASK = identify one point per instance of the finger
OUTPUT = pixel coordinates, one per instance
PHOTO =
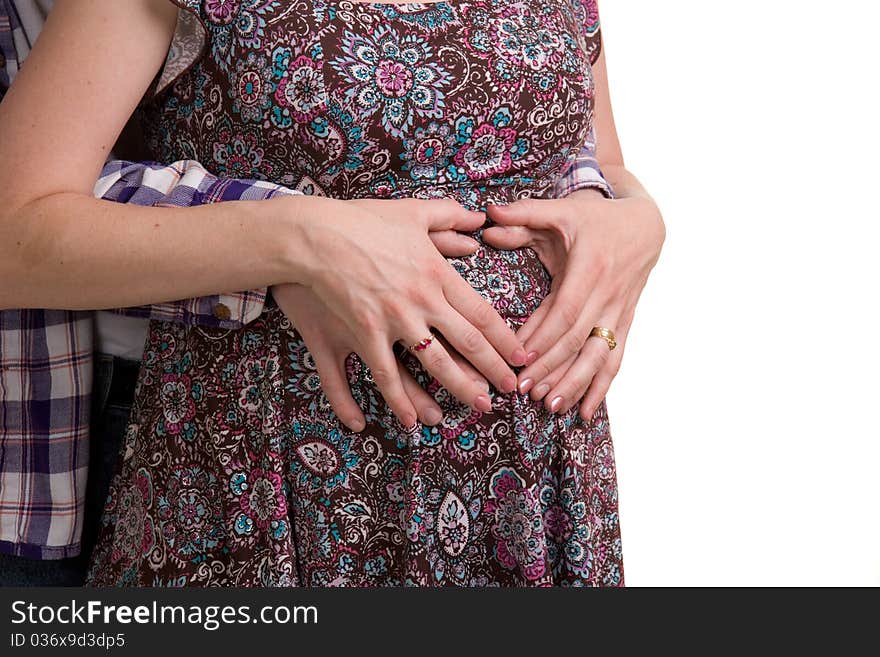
(534, 213)
(508, 237)
(596, 393)
(383, 367)
(532, 323)
(528, 329)
(602, 381)
(446, 214)
(569, 311)
(469, 369)
(437, 362)
(453, 244)
(428, 410)
(334, 383)
(462, 362)
(473, 345)
(571, 388)
(480, 313)
(569, 343)
(539, 391)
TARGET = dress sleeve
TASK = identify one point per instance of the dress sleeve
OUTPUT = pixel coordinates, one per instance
(188, 46)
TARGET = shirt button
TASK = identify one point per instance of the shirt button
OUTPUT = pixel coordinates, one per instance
(222, 312)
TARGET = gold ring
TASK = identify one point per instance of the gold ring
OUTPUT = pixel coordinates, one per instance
(605, 334)
(422, 344)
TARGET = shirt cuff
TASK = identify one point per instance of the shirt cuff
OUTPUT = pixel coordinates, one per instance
(228, 311)
(583, 176)
(583, 172)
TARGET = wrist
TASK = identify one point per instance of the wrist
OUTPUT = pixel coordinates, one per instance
(589, 193)
(296, 242)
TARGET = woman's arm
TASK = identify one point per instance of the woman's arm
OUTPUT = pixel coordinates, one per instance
(608, 151)
(371, 262)
(600, 253)
(60, 247)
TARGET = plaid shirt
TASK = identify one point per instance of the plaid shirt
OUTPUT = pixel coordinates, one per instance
(46, 355)
(583, 172)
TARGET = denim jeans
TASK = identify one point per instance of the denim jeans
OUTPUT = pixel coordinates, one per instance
(112, 395)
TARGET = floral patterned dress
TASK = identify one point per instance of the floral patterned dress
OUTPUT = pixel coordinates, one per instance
(235, 470)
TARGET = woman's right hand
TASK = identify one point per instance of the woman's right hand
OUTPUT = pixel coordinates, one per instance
(375, 266)
(330, 342)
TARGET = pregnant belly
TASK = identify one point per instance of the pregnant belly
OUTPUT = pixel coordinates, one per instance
(514, 282)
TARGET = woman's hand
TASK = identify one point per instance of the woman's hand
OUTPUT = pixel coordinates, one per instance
(599, 253)
(330, 341)
(374, 266)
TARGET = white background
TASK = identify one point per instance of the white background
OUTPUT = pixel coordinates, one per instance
(745, 418)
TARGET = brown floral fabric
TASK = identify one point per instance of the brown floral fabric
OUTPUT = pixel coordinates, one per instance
(236, 471)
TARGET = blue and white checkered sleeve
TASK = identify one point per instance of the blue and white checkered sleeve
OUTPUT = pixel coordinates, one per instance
(583, 172)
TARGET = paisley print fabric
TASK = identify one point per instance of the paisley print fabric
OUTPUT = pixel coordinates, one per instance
(235, 469)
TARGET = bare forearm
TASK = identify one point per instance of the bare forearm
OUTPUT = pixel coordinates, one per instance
(634, 200)
(624, 183)
(72, 251)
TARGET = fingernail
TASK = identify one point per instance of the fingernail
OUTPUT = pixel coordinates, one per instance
(482, 383)
(433, 416)
(541, 390)
(509, 383)
(525, 386)
(356, 424)
(519, 357)
(532, 357)
(556, 404)
(483, 403)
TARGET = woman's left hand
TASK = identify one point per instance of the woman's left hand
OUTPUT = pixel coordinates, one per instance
(599, 253)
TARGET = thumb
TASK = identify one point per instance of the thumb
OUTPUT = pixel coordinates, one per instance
(508, 237)
(525, 212)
